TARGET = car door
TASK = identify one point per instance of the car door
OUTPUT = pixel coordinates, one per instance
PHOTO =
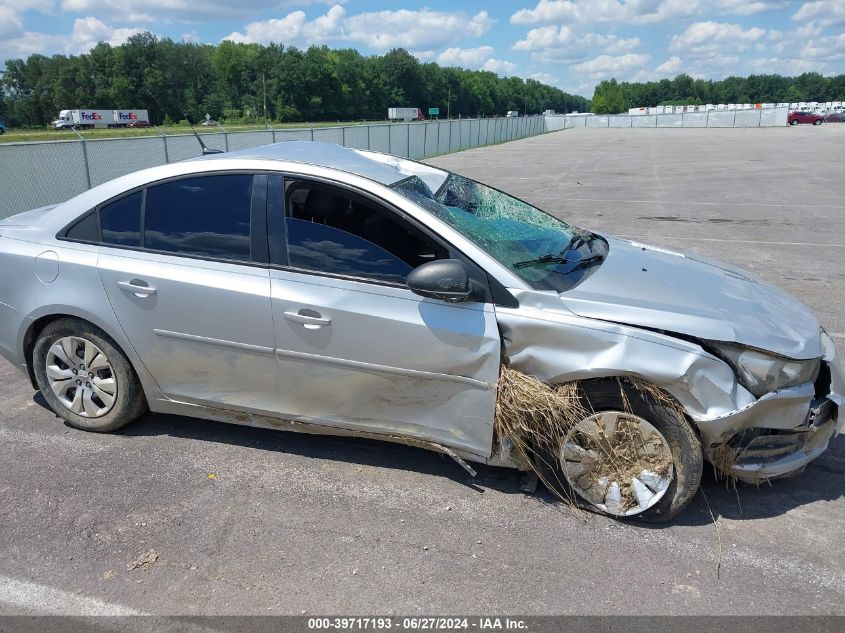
(184, 264)
(355, 347)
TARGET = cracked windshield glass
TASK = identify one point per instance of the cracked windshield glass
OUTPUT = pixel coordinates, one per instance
(545, 252)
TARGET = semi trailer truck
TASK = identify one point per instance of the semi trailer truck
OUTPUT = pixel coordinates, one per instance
(405, 114)
(85, 119)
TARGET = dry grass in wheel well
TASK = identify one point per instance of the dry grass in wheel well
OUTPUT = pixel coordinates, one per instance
(535, 416)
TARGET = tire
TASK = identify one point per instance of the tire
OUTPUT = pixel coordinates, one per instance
(687, 459)
(817, 122)
(102, 397)
(794, 122)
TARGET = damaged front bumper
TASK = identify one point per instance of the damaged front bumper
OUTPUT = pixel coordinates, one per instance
(780, 433)
(761, 453)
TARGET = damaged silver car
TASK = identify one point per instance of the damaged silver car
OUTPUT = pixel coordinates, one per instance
(321, 289)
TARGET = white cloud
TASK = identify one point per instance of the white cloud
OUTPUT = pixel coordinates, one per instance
(563, 45)
(787, 66)
(613, 44)
(546, 37)
(544, 78)
(670, 66)
(382, 30)
(178, 10)
(11, 16)
(480, 58)
(86, 34)
(606, 65)
(824, 12)
(830, 48)
(283, 30)
(11, 24)
(713, 38)
(500, 67)
(637, 11)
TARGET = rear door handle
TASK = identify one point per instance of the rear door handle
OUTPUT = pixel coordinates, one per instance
(309, 318)
(137, 287)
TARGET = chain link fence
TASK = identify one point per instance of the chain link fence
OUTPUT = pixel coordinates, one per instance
(768, 117)
(37, 174)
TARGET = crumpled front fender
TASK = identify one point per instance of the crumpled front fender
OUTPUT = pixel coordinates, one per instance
(541, 339)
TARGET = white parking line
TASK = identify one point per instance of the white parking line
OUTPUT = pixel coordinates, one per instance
(37, 599)
(717, 239)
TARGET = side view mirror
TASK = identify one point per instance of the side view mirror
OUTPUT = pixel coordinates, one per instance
(445, 279)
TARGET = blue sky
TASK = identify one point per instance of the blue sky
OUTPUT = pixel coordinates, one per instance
(571, 44)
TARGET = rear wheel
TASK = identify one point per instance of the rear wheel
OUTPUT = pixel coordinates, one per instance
(817, 122)
(85, 377)
(794, 122)
(634, 457)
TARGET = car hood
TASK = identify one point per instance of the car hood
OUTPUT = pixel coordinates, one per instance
(656, 288)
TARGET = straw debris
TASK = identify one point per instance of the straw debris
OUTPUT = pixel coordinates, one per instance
(723, 457)
(536, 416)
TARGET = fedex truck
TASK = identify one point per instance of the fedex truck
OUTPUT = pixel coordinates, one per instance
(86, 119)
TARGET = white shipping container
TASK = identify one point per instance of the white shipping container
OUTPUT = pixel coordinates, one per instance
(124, 118)
(403, 114)
(92, 118)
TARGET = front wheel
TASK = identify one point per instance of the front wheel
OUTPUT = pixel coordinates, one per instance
(85, 377)
(635, 456)
(794, 122)
(817, 122)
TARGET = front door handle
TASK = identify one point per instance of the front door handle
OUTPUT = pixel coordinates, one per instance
(311, 319)
(137, 287)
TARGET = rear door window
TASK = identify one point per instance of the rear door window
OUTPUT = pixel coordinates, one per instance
(207, 216)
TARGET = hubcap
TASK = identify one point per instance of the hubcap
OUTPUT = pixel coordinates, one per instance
(618, 462)
(81, 376)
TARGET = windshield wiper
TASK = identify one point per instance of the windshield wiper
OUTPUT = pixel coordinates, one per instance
(574, 243)
(578, 240)
(558, 259)
(544, 259)
(583, 263)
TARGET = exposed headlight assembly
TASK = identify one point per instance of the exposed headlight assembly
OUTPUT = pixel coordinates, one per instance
(761, 373)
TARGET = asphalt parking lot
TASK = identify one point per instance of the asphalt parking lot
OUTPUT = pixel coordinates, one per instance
(243, 520)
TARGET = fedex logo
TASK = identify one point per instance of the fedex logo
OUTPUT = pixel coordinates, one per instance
(90, 116)
(127, 116)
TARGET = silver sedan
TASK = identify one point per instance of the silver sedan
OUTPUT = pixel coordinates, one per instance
(320, 289)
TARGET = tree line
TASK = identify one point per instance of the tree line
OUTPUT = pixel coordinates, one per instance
(612, 97)
(235, 82)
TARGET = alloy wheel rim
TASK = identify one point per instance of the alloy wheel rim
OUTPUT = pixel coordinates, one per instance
(618, 462)
(81, 377)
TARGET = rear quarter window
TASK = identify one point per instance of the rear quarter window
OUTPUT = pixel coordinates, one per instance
(85, 229)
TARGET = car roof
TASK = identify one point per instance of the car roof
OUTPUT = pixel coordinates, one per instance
(321, 154)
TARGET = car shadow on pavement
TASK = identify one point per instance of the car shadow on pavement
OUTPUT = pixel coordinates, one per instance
(823, 480)
(352, 450)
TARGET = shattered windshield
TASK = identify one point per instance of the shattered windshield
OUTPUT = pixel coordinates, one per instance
(533, 244)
